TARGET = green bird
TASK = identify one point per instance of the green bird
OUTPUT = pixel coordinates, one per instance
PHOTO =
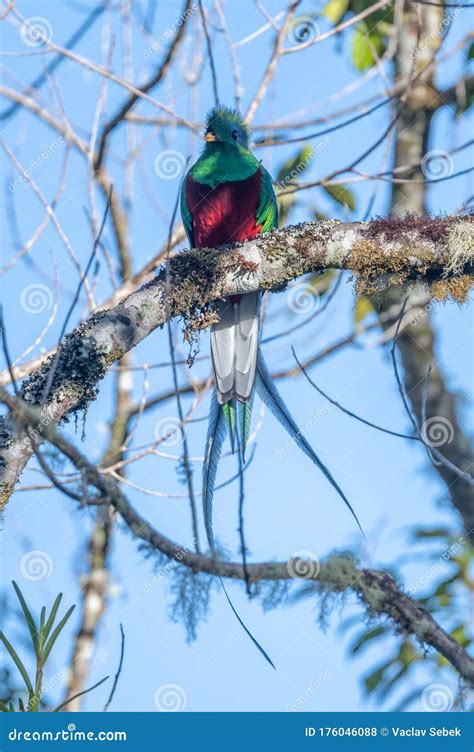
(228, 197)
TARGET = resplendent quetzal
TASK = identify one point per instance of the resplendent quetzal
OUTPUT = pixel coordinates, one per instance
(228, 197)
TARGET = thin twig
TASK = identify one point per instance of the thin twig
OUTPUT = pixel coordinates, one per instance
(119, 670)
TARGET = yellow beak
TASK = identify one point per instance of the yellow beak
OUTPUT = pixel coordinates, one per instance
(210, 137)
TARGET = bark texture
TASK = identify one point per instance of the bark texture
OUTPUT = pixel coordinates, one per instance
(438, 252)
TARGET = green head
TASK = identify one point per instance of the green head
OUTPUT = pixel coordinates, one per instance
(225, 126)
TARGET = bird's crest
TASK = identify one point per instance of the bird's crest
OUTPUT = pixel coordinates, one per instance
(226, 114)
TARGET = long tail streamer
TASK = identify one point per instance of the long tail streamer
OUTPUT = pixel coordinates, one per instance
(270, 395)
(219, 420)
(234, 418)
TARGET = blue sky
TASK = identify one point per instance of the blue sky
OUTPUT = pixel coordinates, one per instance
(289, 506)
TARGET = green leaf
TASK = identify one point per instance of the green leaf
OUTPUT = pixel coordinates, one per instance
(42, 618)
(79, 694)
(3, 707)
(320, 216)
(463, 106)
(285, 205)
(461, 636)
(28, 617)
(390, 683)
(21, 705)
(444, 600)
(335, 9)
(367, 636)
(436, 533)
(341, 195)
(51, 618)
(288, 174)
(373, 680)
(364, 43)
(56, 633)
(363, 308)
(18, 662)
(321, 283)
(295, 166)
(470, 52)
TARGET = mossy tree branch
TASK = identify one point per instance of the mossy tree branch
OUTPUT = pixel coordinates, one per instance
(438, 252)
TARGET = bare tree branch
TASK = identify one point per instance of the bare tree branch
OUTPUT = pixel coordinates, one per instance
(339, 573)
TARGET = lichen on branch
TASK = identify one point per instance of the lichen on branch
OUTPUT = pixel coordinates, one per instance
(437, 252)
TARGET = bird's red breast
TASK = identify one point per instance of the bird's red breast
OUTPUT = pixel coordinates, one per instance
(226, 213)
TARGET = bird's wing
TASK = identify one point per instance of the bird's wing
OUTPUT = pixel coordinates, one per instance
(186, 214)
(267, 212)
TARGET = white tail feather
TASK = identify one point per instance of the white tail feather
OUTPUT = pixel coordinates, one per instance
(234, 347)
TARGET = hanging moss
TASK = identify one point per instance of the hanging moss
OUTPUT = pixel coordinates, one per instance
(77, 368)
(456, 288)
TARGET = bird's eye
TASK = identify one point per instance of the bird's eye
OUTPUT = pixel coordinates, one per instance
(235, 135)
